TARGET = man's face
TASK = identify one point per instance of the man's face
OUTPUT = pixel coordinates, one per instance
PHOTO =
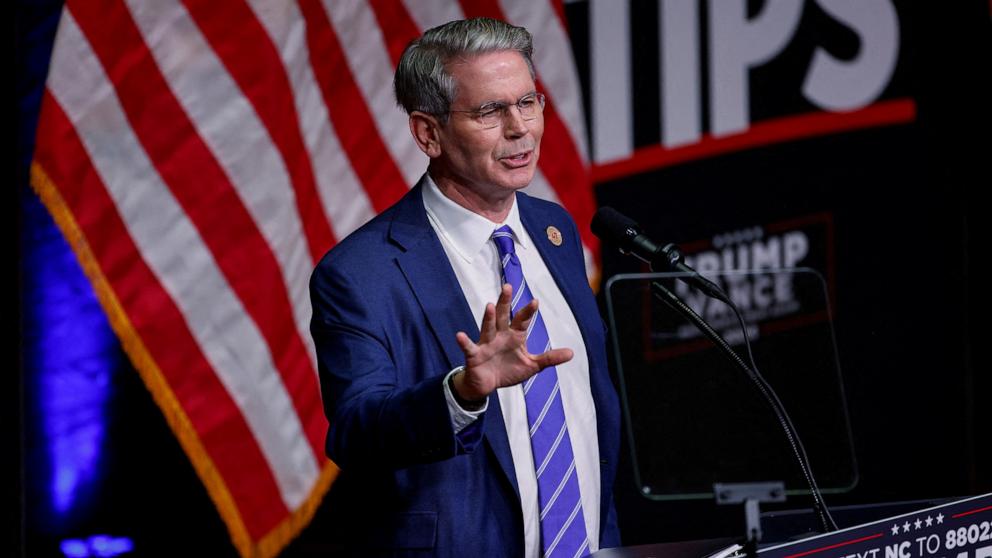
(497, 161)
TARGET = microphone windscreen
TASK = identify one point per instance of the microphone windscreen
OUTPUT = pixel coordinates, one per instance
(613, 226)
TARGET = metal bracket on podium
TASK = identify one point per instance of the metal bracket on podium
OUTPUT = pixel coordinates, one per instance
(750, 494)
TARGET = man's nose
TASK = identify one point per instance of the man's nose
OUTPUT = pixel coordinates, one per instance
(514, 124)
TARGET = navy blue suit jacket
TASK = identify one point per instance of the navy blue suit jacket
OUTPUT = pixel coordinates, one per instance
(386, 306)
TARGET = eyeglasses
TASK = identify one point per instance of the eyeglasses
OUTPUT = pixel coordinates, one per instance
(492, 114)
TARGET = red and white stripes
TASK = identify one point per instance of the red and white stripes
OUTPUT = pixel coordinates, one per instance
(202, 156)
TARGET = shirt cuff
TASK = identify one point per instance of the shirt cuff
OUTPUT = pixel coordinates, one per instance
(460, 418)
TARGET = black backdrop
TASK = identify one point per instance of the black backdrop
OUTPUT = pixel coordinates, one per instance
(905, 252)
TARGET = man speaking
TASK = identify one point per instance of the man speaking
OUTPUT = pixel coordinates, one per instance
(468, 418)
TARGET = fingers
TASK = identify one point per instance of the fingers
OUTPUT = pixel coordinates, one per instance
(554, 357)
(488, 328)
(521, 320)
(503, 307)
(466, 344)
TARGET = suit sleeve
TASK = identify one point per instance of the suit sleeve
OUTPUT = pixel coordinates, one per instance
(373, 421)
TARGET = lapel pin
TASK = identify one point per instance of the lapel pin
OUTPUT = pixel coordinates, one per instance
(554, 235)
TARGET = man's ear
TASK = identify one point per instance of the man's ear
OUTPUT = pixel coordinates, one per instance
(426, 132)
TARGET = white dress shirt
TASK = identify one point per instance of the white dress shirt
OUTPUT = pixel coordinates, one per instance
(465, 237)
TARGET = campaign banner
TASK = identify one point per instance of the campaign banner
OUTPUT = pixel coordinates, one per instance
(961, 529)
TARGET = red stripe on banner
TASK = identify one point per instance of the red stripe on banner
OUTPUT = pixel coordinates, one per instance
(398, 28)
(838, 545)
(560, 161)
(349, 114)
(200, 186)
(162, 329)
(248, 53)
(768, 132)
(979, 510)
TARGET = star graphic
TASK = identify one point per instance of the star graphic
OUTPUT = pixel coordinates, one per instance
(905, 527)
(929, 521)
(895, 529)
(917, 523)
(940, 518)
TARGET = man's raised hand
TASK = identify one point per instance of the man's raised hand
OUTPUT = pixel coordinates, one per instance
(500, 357)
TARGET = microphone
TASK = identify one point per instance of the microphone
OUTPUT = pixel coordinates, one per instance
(614, 227)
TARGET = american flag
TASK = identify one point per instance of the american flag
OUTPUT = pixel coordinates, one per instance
(200, 157)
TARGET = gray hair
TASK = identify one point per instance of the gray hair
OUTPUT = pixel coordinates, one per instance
(422, 81)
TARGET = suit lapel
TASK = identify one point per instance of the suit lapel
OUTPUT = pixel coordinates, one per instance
(572, 286)
(435, 286)
(569, 283)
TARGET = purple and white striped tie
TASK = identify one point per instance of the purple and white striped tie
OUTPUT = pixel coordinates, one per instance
(563, 527)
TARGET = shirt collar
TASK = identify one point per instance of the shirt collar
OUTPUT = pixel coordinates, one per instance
(467, 231)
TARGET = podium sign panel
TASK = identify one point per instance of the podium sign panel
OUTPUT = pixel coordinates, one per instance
(694, 419)
(961, 529)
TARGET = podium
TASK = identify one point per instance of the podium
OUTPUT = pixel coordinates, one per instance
(958, 529)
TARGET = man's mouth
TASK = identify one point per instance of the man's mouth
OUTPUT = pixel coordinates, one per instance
(517, 160)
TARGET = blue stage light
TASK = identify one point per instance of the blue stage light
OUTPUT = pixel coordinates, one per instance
(102, 546)
(70, 355)
(106, 546)
(75, 548)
